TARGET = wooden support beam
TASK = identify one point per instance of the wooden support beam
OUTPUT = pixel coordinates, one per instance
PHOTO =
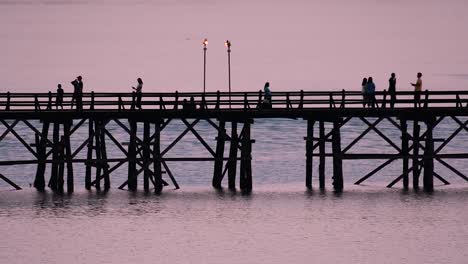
(68, 156)
(8, 129)
(232, 163)
(428, 177)
(404, 151)
(202, 141)
(158, 186)
(146, 156)
(104, 164)
(309, 152)
(61, 164)
(179, 137)
(322, 155)
(245, 177)
(39, 180)
(381, 166)
(367, 130)
(97, 149)
(390, 185)
(219, 155)
(337, 158)
(89, 155)
(132, 179)
(55, 156)
(14, 185)
(416, 129)
(382, 135)
(169, 173)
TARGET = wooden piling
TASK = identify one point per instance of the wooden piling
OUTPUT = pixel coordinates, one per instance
(61, 164)
(309, 152)
(105, 165)
(428, 180)
(337, 157)
(416, 129)
(245, 178)
(232, 162)
(158, 183)
(55, 157)
(146, 155)
(322, 155)
(97, 149)
(89, 155)
(132, 172)
(68, 156)
(404, 150)
(41, 146)
(218, 164)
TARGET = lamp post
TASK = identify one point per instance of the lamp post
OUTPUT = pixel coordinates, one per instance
(205, 43)
(228, 45)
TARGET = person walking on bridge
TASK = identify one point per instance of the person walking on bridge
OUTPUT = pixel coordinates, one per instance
(417, 90)
(392, 89)
(59, 98)
(267, 98)
(139, 94)
(365, 99)
(370, 89)
(78, 93)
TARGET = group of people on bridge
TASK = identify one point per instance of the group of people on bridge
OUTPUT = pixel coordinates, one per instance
(368, 91)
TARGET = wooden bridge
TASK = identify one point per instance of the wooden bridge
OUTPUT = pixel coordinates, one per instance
(144, 155)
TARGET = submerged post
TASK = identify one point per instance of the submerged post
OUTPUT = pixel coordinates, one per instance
(39, 181)
(246, 160)
(146, 155)
(232, 162)
(55, 157)
(322, 155)
(309, 152)
(218, 166)
(428, 179)
(404, 150)
(68, 156)
(158, 183)
(337, 157)
(89, 155)
(132, 177)
(416, 129)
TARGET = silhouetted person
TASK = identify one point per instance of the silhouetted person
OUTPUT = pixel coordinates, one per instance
(138, 90)
(185, 105)
(267, 98)
(365, 99)
(192, 105)
(370, 88)
(417, 90)
(59, 98)
(78, 93)
(392, 89)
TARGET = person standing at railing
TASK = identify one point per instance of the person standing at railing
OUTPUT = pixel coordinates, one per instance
(364, 92)
(59, 98)
(78, 92)
(417, 90)
(370, 89)
(392, 89)
(267, 98)
(139, 93)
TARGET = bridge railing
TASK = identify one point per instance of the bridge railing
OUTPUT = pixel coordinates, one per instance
(235, 100)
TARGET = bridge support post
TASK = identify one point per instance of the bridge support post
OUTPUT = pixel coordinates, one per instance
(404, 150)
(158, 183)
(428, 179)
(309, 152)
(246, 160)
(132, 154)
(53, 182)
(68, 156)
(89, 155)
(146, 155)
(105, 165)
(61, 164)
(97, 147)
(232, 162)
(322, 155)
(41, 146)
(337, 157)
(218, 164)
(416, 172)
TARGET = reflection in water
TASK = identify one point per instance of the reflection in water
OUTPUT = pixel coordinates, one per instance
(276, 224)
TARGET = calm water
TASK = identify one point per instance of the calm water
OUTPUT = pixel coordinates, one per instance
(293, 44)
